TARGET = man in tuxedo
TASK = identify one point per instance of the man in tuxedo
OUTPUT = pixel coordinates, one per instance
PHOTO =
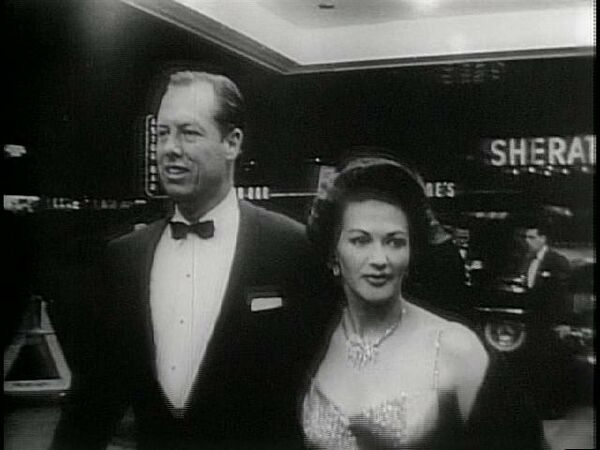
(547, 275)
(212, 315)
(547, 271)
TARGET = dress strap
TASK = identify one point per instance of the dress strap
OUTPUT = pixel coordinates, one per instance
(436, 361)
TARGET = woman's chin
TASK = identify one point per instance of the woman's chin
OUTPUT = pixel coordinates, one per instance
(379, 301)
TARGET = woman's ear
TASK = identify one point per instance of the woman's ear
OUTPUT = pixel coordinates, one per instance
(334, 265)
(335, 269)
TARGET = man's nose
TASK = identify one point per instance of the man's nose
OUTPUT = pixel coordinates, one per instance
(172, 144)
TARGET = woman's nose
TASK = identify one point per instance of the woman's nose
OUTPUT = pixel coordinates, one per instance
(378, 256)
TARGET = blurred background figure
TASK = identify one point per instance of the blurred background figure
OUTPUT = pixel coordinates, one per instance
(473, 264)
(440, 280)
(518, 263)
(546, 273)
(545, 264)
(461, 237)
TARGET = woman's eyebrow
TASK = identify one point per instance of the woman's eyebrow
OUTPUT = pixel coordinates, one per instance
(400, 232)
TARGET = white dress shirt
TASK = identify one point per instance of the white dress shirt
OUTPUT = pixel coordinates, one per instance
(188, 281)
(535, 265)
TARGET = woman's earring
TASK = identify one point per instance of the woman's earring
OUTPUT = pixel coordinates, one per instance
(336, 270)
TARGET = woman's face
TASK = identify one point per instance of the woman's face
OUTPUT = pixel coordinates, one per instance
(373, 251)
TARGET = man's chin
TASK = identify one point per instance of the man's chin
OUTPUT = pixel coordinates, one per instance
(180, 195)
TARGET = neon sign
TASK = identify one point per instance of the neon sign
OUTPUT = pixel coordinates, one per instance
(579, 150)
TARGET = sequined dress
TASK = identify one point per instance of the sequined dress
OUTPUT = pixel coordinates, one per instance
(407, 421)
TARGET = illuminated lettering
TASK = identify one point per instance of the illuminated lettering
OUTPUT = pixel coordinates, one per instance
(440, 189)
(591, 140)
(556, 151)
(520, 151)
(540, 151)
(498, 148)
(429, 189)
(451, 189)
(537, 149)
(575, 151)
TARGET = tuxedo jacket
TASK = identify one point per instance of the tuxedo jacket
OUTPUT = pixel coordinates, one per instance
(554, 268)
(550, 295)
(245, 392)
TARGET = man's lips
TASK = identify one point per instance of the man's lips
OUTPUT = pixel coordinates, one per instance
(173, 171)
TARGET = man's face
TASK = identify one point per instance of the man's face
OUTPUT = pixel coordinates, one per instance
(535, 241)
(520, 238)
(462, 237)
(193, 157)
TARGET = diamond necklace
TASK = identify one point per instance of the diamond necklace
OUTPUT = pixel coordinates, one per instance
(360, 352)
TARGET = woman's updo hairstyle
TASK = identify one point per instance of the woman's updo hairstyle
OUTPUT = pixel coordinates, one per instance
(369, 174)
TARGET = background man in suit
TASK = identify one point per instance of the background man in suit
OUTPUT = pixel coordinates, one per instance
(439, 281)
(546, 265)
(547, 273)
(211, 315)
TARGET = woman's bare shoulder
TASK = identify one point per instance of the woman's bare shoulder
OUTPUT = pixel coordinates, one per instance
(462, 342)
(456, 338)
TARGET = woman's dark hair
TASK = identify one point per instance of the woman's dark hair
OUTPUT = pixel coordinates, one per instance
(372, 177)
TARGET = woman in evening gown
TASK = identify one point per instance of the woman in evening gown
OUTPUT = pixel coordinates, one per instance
(392, 374)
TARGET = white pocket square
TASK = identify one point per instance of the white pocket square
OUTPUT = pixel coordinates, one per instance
(265, 303)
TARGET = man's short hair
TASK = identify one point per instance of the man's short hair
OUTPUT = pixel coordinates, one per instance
(230, 112)
(539, 224)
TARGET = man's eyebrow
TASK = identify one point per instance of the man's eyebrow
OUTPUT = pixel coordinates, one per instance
(182, 125)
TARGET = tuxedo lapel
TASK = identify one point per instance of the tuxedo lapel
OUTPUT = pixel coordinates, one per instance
(242, 260)
(154, 233)
(232, 306)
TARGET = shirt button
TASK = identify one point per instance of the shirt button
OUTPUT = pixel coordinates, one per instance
(187, 275)
(172, 367)
(181, 320)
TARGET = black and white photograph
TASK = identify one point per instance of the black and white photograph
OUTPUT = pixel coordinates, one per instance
(299, 224)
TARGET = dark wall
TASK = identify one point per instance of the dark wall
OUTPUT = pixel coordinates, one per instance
(77, 81)
(80, 73)
(79, 77)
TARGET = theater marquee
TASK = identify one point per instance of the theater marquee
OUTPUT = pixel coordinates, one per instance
(578, 150)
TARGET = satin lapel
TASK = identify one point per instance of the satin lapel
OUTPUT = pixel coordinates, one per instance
(154, 232)
(233, 301)
(242, 260)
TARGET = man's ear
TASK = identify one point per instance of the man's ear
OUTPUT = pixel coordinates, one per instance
(234, 141)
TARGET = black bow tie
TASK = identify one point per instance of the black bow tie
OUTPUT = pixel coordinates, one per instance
(205, 230)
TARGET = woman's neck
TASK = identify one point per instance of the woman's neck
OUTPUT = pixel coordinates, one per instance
(371, 321)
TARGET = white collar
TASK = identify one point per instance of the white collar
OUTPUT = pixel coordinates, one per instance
(221, 214)
(541, 252)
